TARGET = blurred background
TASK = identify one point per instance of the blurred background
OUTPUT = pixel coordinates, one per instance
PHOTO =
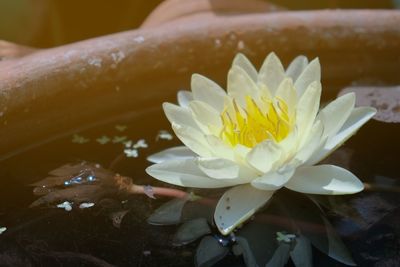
(48, 23)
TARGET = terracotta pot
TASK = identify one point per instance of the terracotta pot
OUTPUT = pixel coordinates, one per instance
(55, 91)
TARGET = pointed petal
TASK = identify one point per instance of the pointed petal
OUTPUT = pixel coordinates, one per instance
(358, 117)
(243, 62)
(307, 109)
(219, 148)
(310, 74)
(206, 116)
(185, 173)
(326, 180)
(184, 97)
(315, 141)
(334, 115)
(178, 152)
(235, 206)
(287, 93)
(193, 139)
(274, 180)
(240, 85)
(219, 168)
(264, 156)
(207, 91)
(296, 67)
(271, 73)
(179, 115)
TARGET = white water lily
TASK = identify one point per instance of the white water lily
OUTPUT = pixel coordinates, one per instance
(266, 132)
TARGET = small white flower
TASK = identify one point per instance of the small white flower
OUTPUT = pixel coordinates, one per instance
(67, 206)
(141, 143)
(131, 153)
(164, 135)
(2, 230)
(266, 132)
(86, 205)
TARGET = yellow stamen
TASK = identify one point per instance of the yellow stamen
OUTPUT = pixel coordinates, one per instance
(251, 126)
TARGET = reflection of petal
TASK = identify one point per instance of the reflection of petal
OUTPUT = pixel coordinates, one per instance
(271, 73)
(242, 61)
(358, 117)
(310, 74)
(334, 115)
(178, 152)
(324, 179)
(296, 67)
(240, 86)
(207, 91)
(184, 97)
(237, 205)
(273, 181)
(186, 173)
(264, 156)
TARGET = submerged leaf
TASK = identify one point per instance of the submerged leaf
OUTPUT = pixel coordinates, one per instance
(281, 256)
(302, 252)
(190, 231)
(209, 252)
(169, 213)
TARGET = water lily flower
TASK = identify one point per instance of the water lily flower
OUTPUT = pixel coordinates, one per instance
(264, 133)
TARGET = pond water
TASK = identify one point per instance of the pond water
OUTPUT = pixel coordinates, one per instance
(51, 236)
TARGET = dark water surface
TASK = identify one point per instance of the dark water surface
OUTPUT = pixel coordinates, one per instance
(49, 236)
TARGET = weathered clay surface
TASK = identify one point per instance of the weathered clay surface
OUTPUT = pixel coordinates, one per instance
(54, 91)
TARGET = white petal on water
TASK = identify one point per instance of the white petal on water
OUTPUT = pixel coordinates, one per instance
(274, 180)
(207, 91)
(67, 206)
(186, 173)
(219, 168)
(243, 62)
(358, 117)
(237, 205)
(264, 156)
(179, 152)
(86, 205)
(326, 180)
(310, 74)
(184, 97)
(271, 73)
(296, 67)
(335, 114)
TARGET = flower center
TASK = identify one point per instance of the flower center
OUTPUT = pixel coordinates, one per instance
(266, 119)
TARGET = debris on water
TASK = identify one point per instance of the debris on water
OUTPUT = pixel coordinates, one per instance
(86, 205)
(78, 139)
(119, 139)
(120, 127)
(148, 190)
(146, 253)
(84, 176)
(3, 229)
(128, 143)
(287, 238)
(103, 140)
(131, 152)
(141, 143)
(164, 135)
(116, 217)
(66, 205)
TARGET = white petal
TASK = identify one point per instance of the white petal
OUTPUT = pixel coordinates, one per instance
(237, 205)
(287, 93)
(315, 141)
(274, 180)
(296, 67)
(271, 73)
(358, 117)
(185, 173)
(325, 179)
(219, 168)
(178, 152)
(310, 74)
(219, 148)
(184, 97)
(243, 62)
(307, 109)
(264, 156)
(193, 139)
(179, 115)
(334, 115)
(206, 116)
(240, 85)
(207, 91)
